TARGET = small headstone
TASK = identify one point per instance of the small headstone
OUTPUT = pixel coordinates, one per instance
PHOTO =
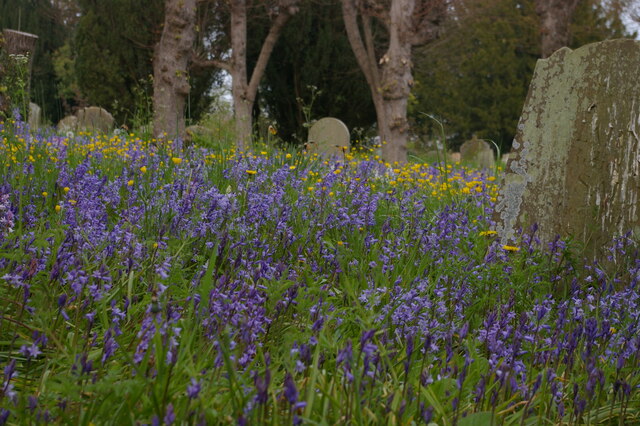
(68, 124)
(35, 116)
(95, 119)
(575, 169)
(456, 157)
(329, 137)
(196, 131)
(477, 152)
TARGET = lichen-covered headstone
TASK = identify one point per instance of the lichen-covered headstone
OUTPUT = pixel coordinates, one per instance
(35, 116)
(575, 169)
(95, 119)
(478, 152)
(329, 137)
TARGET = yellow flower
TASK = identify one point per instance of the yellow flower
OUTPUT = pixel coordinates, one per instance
(66, 189)
(287, 156)
(487, 233)
(72, 202)
(251, 172)
(292, 167)
(272, 130)
(176, 160)
(340, 243)
(143, 169)
(310, 188)
(511, 248)
(44, 194)
(155, 245)
(58, 208)
(130, 183)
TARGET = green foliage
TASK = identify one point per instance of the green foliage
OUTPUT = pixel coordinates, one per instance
(64, 67)
(14, 89)
(113, 52)
(41, 18)
(313, 51)
(476, 78)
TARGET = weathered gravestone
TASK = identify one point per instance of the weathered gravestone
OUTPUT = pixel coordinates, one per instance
(478, 152)
(328, 136)
(95, 119)
(35, 116)
(68, 124)
(575, 168)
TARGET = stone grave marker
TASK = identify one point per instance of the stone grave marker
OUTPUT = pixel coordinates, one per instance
(35, 117)
(328, 137)
(95, 119)
(68, 124)
(478, 152)
(575, 163)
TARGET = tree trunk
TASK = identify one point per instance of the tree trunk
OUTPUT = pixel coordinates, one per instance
(389, 79)
(397, 80)
(555, 18)
(242, 104)
(243, 89)
(170, 68)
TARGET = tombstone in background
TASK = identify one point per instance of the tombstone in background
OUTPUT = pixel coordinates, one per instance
(197, 132)
(94, 119)
(575, 168)
(328, 137)
(478, 152)
(35, 117)
(68, 124)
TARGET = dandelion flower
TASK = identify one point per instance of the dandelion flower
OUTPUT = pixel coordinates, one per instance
(143, 169)
(251, 172)
(58, 208)
(176, 160)
(488, 233)
(130, 183)
(45, 193)
(511, 248)
(66, 189)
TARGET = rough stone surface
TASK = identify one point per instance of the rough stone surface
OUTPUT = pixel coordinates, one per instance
(95, 119)
(478, 152)
(35, 116)
(329, 137)
(575, 168)
(68, 124)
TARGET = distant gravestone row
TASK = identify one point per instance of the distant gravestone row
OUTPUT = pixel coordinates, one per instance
(94, 119)
(575, 168)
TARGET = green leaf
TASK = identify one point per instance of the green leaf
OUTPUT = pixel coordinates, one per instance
(482, 418)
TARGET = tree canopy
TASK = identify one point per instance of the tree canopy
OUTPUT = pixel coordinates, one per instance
(476, 78)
